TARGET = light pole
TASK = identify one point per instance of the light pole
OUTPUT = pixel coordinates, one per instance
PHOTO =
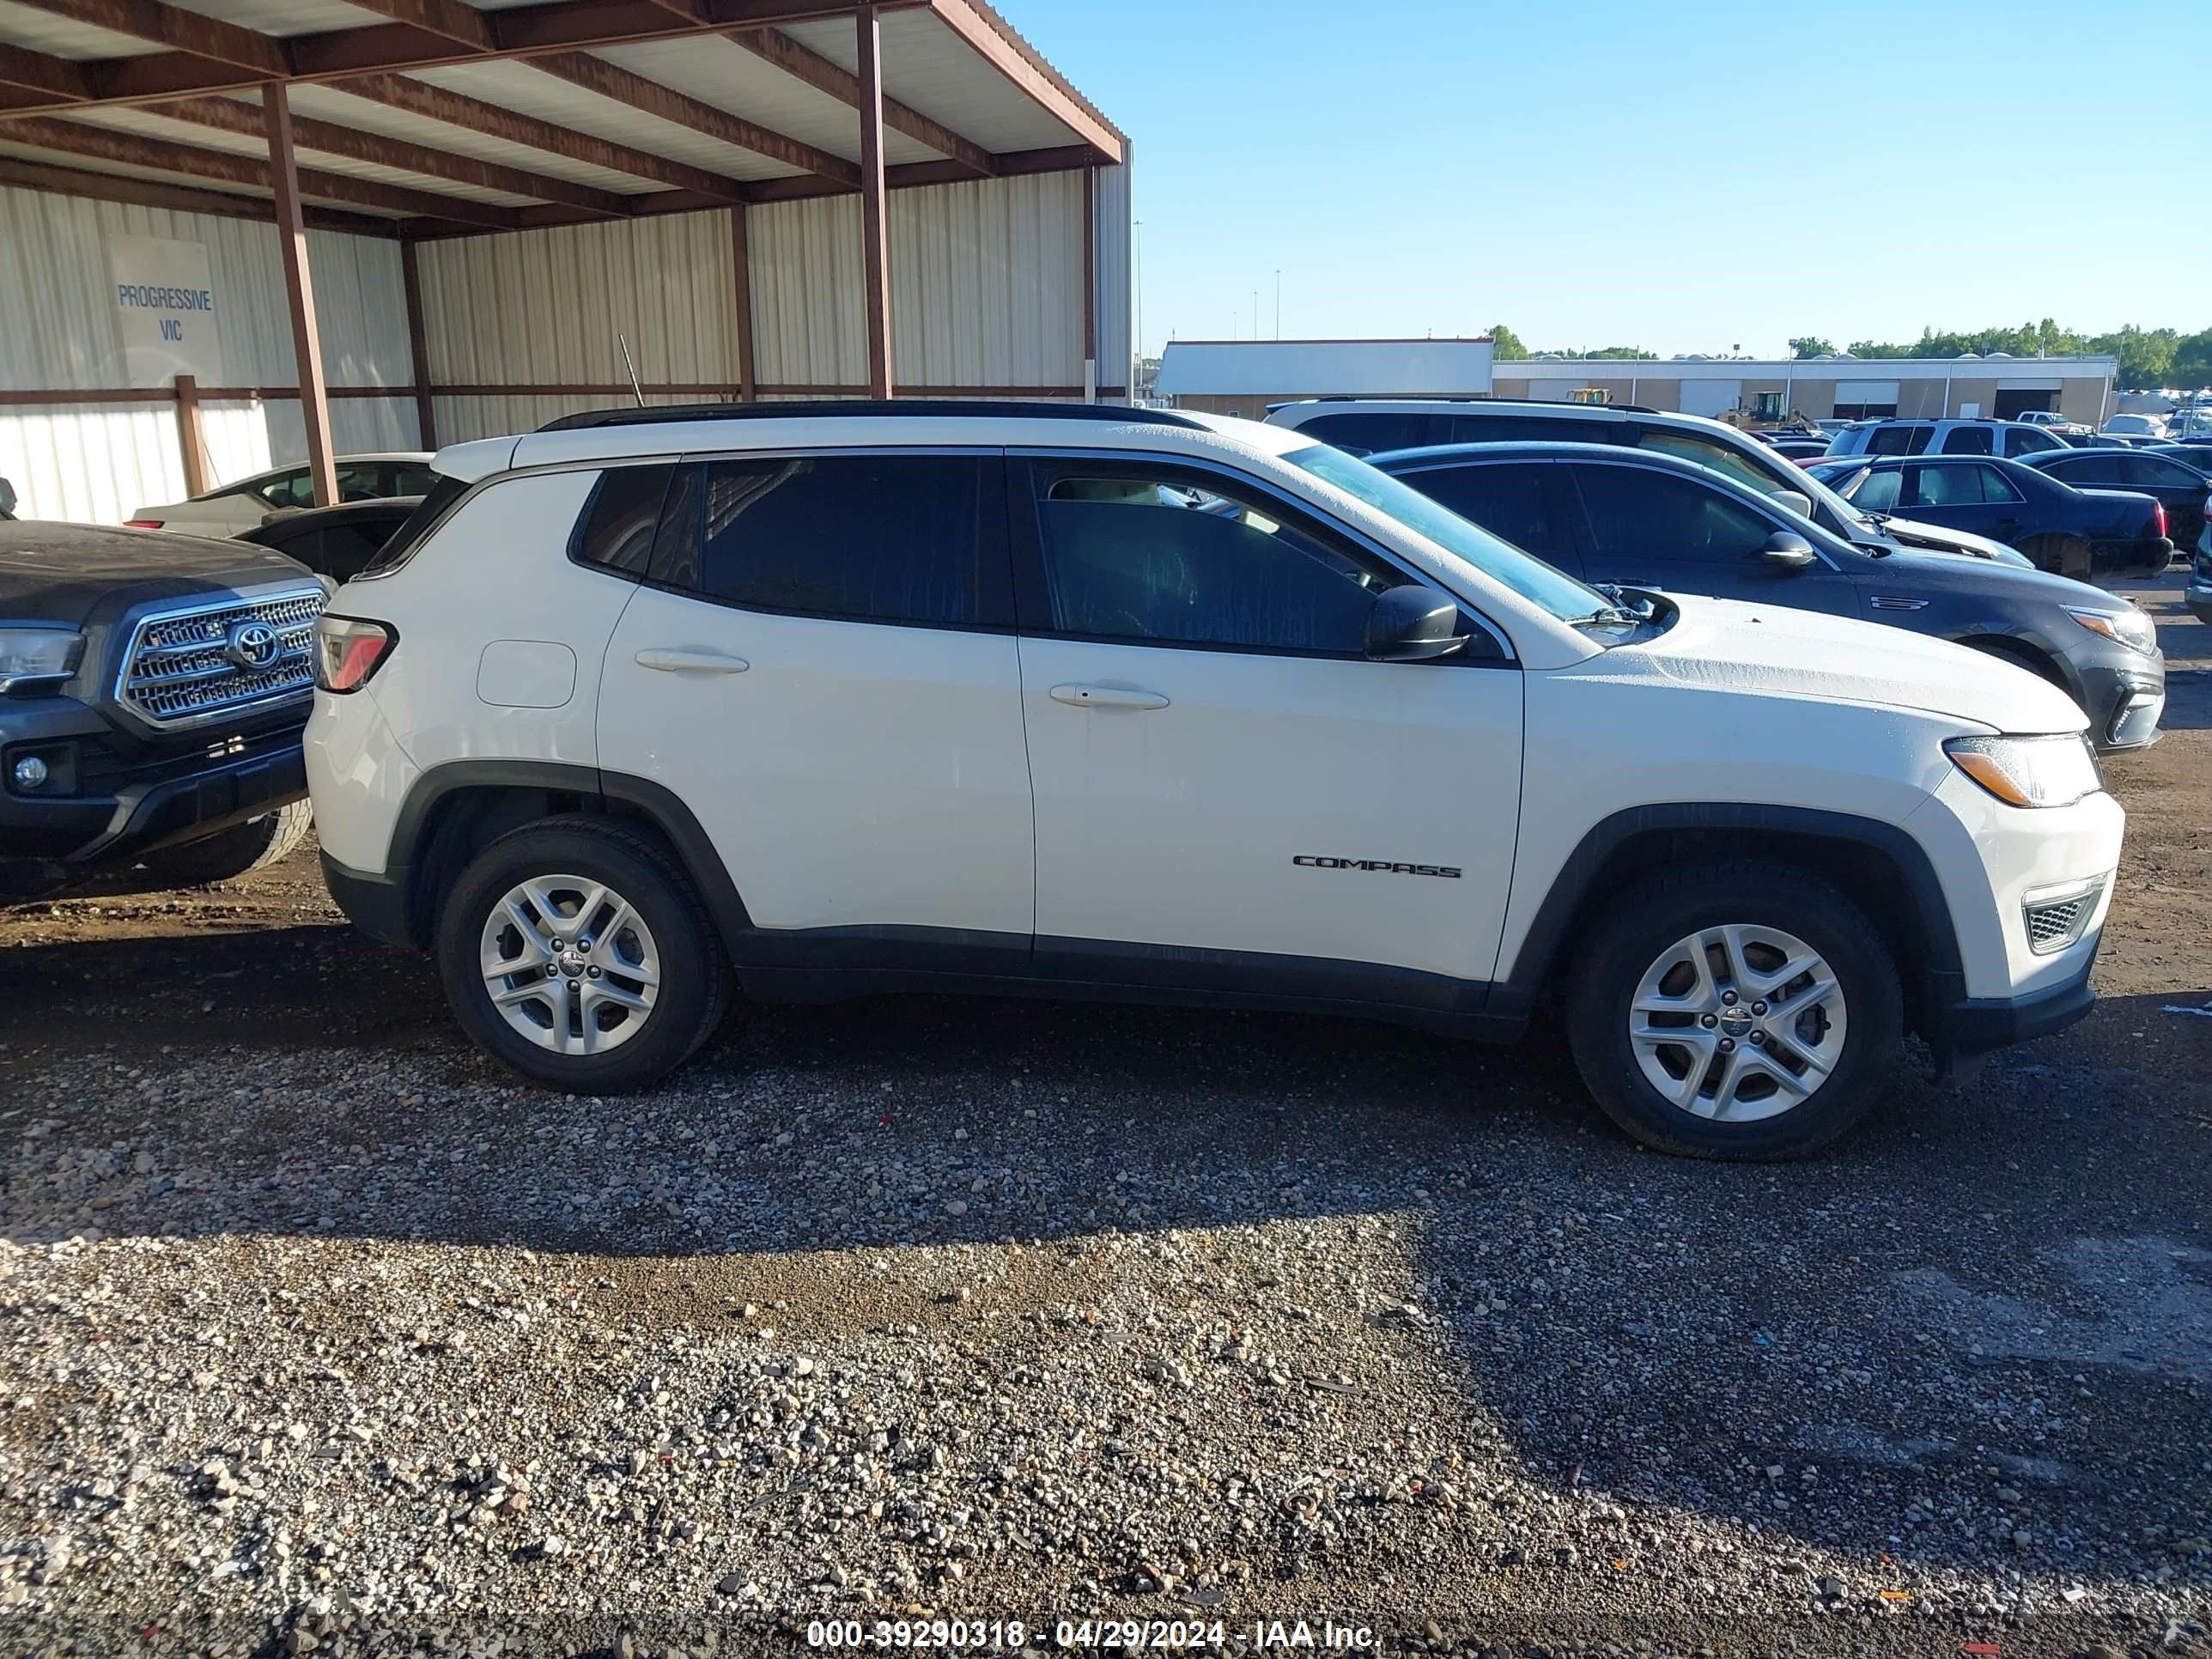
(1278, 302)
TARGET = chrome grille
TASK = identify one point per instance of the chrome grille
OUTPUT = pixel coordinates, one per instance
(180, 669)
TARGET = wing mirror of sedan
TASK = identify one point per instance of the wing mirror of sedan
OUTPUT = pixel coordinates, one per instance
(1795, 500)
(1788, 550)
(1412, 623)
(6, 498)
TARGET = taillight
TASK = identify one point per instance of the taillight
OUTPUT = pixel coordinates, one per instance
(349, 650)
(144, 524)
(2159, 509)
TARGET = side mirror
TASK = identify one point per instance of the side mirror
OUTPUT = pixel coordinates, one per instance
(1412, 623)
(7, 497)
(1788, 550)
(1795, 500)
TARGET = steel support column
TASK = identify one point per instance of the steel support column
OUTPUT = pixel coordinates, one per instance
(874, 232)
(741, 301)
(300, 293)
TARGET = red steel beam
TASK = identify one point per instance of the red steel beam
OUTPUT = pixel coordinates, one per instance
(875, 237)
(300, 293)
(1030, 73)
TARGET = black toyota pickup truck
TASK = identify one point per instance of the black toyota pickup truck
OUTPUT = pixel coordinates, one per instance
(152, 691)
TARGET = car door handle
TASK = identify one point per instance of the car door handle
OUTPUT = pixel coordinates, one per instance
(1106, 696)
(701, 662)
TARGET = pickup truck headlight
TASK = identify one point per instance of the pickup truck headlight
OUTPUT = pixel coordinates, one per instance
(2055, 771)
(31, 655)
(2130, 627)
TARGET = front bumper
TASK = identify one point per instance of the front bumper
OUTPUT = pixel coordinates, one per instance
(2123, 694)
(1968, 1026)
(110, 800)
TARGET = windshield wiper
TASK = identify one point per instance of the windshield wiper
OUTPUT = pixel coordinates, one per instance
(1619, 613)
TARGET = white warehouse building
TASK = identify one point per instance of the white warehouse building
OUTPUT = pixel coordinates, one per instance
(509, 214)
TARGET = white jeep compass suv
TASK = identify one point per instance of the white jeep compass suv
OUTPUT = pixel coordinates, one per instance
(1139, 705)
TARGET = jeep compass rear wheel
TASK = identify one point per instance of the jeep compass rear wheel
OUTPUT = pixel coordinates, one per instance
(1745, 1011)
(576, 951)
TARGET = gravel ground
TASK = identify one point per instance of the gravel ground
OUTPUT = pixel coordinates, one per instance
(318, 1336)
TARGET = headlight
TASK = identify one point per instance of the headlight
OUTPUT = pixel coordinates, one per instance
(38, 653)
(2130, 627)
(2029, 771)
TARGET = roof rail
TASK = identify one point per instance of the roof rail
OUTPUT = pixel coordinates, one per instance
(1467, 398)
(1123, 414)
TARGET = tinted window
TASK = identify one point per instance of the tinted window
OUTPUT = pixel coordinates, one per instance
(294, 488)
(346, 548)
(1996, 486)
(395, 551)
(1369, 433)
(1968, 441)
(1951, 486)
(1753, 471)
(1900, 440)
(1508, 500)
(1157, 555)
(1514, 428)
(617, 528)
(408, 478)
(2026, 440)
(893, 538)
(1878, 490)
(2091, 467)
(1635, 513)
(2151, 470)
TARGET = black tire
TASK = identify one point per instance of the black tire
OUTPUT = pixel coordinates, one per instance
(693, 991)
(253, 845)
(1630, 935)
(2059, 554)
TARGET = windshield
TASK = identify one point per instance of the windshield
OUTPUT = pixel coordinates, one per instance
(1531, 578)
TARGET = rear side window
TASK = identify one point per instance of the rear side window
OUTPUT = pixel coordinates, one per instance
(2154, 470)
(1904, 439)
(1951, 486)
(616, 527)
(1753, 471)
(1542, 429)
(441, 495)
(1371, 434)
(1509, 500)
(1967, 441)
(917, 539)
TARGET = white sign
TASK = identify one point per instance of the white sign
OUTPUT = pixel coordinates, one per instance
(167, 309)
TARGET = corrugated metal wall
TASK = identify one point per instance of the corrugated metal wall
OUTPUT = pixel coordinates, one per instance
(97, 461)
(987, 291)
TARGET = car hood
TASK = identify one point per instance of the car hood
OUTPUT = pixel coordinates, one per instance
(1912, 533)
(62, 573)
(1771, 650)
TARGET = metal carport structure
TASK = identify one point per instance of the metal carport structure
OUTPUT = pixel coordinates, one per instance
(780, 198)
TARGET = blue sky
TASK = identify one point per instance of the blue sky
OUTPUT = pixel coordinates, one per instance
(1684, 175)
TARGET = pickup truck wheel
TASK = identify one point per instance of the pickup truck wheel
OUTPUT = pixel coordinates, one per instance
(253, 845)
(1734, 1011)
(576, 952)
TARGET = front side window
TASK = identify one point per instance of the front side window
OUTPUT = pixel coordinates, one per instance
(2026, 440)
(1640, 512)
(1159, 555)
(1967, 441)
(1507, 498)
(1751, 472)
(1532, 579)
(2156, 472)
(882, 538)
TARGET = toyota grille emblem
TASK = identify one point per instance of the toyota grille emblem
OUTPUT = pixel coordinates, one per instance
(251, 645)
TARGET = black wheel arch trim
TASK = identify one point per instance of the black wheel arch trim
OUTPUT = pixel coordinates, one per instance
(1943, 977)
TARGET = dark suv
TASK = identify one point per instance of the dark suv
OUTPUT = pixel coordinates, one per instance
(1636, 519)
(152, 691)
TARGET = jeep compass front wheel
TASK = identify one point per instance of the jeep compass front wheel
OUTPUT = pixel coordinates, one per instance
(1741, 1011)
(576, 951)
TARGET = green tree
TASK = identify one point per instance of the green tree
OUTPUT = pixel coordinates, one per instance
(1633, 353)
(2192, 360)
(2146, 356)
(1505, 343)
(1810, 345)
